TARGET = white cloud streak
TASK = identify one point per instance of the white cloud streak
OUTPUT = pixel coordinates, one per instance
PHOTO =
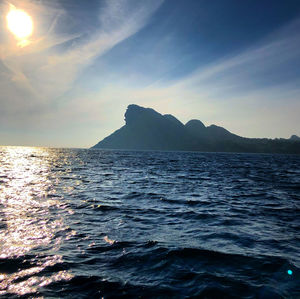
(254, 93)
(264, 61)
(34, 77)
(249, 93)
(227, 93)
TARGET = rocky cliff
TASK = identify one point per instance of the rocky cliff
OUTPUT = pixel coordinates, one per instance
(146, 129)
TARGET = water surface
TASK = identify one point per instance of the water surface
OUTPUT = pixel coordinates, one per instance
(79, 223)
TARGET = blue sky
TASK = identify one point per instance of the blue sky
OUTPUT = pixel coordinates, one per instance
(232, 63)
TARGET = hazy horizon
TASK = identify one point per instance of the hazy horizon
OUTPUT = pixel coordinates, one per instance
(49, 146)
(233, 64)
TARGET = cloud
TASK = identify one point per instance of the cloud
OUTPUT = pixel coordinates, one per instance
(268, 63)
(249, 93)
(253, 93)
(33, 78)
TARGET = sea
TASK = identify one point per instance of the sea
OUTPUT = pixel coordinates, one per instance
(80, 223)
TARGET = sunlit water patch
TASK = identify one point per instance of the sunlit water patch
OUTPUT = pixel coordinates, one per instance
(32, 219)
(79, 223)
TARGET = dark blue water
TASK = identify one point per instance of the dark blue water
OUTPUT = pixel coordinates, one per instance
(89, 223)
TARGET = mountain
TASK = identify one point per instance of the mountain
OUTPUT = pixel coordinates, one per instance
(146, 129)
(295, 138)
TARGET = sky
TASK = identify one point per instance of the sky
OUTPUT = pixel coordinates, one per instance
(231, 63)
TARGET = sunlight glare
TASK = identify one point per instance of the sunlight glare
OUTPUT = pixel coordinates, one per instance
(19, 23)
(30, 217)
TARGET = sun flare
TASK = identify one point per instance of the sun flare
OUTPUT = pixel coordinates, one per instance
(19, 23)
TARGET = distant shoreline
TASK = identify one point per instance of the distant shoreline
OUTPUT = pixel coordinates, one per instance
(146, 129)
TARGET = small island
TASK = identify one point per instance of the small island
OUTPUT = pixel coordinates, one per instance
(146, 129)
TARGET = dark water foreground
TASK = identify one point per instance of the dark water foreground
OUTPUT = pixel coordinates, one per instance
(84, 223)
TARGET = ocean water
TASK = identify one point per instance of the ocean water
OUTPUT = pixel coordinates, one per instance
(91, 223)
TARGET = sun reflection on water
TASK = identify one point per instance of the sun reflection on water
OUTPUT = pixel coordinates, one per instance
(30, 217)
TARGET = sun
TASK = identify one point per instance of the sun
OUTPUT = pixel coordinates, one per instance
(19, 23)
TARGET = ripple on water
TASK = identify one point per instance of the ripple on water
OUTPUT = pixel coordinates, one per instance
(79, 223)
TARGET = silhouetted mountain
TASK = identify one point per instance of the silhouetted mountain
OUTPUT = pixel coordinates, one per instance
(146, 129)
(196, 128)
(295, 138)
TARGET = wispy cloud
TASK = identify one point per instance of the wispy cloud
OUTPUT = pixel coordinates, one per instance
(246, 92)
(254, 92)
(263, 61)
(249, 93)
(36, 75)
